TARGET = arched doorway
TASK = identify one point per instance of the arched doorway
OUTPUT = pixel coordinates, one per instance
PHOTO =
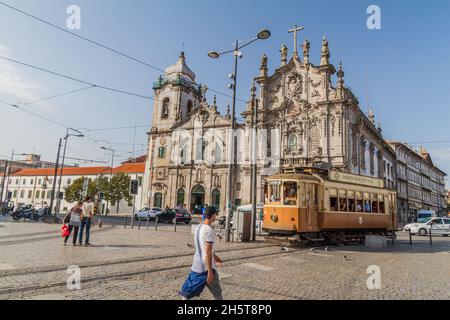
(197, 199)
(216, 198)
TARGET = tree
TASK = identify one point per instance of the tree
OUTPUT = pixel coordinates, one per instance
(101, 184)
(120, 189)
(74, 192)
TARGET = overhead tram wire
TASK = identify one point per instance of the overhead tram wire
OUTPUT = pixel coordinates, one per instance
(103, 46)
(83, 81)
(56, 96)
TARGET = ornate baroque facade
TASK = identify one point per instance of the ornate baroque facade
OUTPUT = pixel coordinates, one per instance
(304, 117)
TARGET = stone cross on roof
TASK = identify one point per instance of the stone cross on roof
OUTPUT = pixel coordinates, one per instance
(295, 30)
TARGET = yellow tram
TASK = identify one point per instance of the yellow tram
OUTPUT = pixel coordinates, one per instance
(329, 205)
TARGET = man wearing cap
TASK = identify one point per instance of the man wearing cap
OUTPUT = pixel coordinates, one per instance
(203, 271)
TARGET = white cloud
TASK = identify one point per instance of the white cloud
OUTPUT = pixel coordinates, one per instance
(13, 84)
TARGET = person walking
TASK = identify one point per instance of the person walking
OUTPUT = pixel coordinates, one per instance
(88, 212)
(74, 220)
(203, 272)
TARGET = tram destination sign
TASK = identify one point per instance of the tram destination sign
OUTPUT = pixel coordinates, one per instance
(356, 179)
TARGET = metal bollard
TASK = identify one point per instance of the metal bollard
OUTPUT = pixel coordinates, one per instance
(431, 234)
(156, 223)
(126, 221)
(139, 226)
(410, 236)
(132, 222)
(175, 223)
(148, 219)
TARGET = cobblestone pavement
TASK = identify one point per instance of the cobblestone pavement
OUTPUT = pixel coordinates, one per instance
(148, 264)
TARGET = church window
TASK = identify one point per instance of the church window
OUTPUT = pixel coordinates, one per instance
(372, 159)
(162, 152)
(201, 146)
(165, 109)
(180, 196)
(216, 198)
(292, 143)
(363, 154)
(354, 149)
(315, 139)
(218, 153)
(190, 106)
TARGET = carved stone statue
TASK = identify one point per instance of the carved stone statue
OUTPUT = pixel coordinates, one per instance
(284, 53)
(325, 59)
(306, 48)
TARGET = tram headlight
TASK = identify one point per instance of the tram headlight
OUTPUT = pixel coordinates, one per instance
(274, 218)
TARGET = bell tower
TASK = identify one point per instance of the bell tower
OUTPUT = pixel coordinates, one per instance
(176, 94)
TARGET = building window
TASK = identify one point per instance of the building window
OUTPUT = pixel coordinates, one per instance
(363, 154)
(216, 198)
(218, 153)
(69, 181)
(38, 193)
(157, 202)
(238, 186)
(17, 181)
(162, 152)
(180, 196)
(24, 181)
(15, 194)
(140, 181)
(372, 159)
(292, 143)
(30, 194)
(22, 194)
(32, 181)
(165, 109)
(39, 181)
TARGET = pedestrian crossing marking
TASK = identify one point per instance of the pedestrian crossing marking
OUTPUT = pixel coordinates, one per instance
(258, 266)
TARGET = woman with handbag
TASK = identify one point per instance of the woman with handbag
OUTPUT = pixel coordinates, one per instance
(74, 218)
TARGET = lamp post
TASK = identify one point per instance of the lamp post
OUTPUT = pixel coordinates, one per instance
(7, 175)
(80, 135)
(110, 173)
(262, 35)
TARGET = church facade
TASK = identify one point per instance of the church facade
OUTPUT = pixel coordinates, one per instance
(303, 117)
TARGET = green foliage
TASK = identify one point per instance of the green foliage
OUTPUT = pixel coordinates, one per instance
(120, 189)
(74, 192)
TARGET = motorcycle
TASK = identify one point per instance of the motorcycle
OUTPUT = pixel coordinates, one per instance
(26, 212)
(43, 212)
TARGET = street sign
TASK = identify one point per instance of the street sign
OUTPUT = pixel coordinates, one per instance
(134, 185)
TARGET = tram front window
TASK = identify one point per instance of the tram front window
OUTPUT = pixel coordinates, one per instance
(290, 193)
(275, 192)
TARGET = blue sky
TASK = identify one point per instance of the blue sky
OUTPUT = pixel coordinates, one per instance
(402, 71)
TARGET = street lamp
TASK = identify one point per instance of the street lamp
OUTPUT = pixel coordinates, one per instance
(7, 174)
(262, 35)
(78, 134)
(111, 170)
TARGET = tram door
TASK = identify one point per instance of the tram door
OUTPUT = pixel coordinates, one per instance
(311, 205)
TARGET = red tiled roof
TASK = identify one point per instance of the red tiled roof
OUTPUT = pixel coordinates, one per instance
(130, 168)
(69, 171)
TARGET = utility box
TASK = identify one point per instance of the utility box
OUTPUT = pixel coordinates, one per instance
(242, 221)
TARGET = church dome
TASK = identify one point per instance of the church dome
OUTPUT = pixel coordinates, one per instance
(180, 68)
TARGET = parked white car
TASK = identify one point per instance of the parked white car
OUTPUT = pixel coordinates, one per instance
(147, 212)
(435, 226)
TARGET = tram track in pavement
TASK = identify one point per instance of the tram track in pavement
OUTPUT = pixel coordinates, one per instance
(51, 235)
(37, 270)
(38, 283)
